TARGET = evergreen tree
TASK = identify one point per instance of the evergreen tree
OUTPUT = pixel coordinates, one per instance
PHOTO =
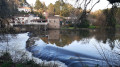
(38, 5)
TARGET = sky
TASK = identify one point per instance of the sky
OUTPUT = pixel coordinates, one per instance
(102, 4)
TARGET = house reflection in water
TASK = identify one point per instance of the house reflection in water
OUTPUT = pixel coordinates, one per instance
(61, 38)
(54, 34)
(53, 37)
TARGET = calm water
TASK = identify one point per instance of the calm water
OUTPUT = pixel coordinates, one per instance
(95, 47)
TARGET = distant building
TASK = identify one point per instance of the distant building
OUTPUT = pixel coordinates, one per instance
(54, 22)
(24, 9)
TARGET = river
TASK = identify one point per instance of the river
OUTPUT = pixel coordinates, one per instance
(71, 48)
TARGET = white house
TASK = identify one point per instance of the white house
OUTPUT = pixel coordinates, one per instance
(25, 9)
(32, 17)
(24, 19)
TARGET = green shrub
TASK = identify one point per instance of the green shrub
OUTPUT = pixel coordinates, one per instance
(92, 27)
(83, 24)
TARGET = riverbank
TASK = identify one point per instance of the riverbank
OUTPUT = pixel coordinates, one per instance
(6, 61)
(73, 28)
(90, 27)
(8, 30)
(15, 46)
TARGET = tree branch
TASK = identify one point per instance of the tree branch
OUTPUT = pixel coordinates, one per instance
(93, 6)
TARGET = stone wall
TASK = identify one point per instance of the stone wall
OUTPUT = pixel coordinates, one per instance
(54, 24)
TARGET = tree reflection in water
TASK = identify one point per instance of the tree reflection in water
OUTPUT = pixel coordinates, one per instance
(66, 37)
(62, 38)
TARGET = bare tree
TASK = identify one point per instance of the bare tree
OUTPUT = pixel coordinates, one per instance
(85, 5)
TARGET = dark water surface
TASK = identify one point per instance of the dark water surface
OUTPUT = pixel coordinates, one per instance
(75, 48)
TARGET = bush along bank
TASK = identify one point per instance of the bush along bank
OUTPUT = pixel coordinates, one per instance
(6, 61)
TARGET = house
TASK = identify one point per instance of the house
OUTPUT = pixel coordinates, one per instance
(24, 9)
(38, 21)
(32, 17)
(54, 22)
(21, 19)
(24, 19)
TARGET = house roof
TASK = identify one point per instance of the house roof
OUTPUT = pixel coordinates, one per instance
(53, 17)
(25, 7)
(22, 15)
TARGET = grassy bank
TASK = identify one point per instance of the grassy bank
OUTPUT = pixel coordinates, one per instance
(90, 27)
(9, 30)
(71, 28)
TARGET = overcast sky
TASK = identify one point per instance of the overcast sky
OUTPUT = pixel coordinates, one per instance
(102, 5)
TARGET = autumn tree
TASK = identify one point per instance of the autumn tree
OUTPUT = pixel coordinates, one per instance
(23, 1)
(44, 6)
(51, 9)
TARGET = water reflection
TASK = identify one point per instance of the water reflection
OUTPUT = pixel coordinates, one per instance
(62, 37)
(66, 37)
(97, 43)
(73, 46)
(15, 45)
(107, 35)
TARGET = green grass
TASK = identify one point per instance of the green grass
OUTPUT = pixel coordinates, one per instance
(117, 25)
(92, 27)
(70, 27)
(6, 64)
(67, 28)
